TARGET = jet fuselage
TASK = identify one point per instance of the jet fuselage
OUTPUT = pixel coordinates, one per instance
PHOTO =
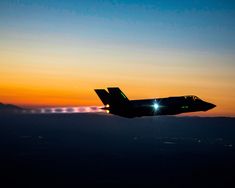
(117, 103)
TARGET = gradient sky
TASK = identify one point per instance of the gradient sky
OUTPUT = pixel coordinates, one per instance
(54, 53)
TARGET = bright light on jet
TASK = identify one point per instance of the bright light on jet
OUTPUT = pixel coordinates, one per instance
(107, 105)
(155, 106)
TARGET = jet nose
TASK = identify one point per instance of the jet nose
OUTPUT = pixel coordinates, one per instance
(210, 106)
(213, 105)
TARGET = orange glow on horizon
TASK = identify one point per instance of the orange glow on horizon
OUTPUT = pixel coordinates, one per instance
(40, 80)
(51, 98)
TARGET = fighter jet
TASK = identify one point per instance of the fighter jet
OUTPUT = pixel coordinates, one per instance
(115, 102)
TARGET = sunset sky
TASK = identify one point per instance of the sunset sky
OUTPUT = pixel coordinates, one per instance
(55, 53)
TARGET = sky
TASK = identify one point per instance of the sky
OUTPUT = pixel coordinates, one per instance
(55, 53)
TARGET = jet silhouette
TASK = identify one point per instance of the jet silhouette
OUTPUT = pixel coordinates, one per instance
(117, 103)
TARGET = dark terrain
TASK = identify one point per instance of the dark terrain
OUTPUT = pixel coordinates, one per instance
(81, 150)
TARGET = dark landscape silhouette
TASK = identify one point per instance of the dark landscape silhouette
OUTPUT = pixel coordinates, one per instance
(80, 150)
(9, 108)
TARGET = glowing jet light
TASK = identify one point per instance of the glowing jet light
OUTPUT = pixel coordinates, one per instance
(155, 106)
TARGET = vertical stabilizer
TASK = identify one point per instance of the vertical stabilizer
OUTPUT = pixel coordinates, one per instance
(117, 95)
(103, 95)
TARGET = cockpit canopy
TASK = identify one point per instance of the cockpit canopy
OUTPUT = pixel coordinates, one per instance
(192, 97)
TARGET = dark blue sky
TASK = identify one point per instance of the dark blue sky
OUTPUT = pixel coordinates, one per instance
(198, 25)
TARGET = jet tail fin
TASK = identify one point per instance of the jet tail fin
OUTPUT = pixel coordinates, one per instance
(114, 96)
(117, 95)
(103, 95)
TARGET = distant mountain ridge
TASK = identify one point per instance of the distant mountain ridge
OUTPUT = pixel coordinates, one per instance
(10, 108)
